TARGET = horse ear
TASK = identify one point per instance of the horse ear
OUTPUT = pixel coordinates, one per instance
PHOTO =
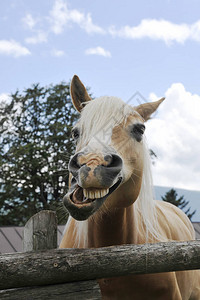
(146, 109)
(79, 94)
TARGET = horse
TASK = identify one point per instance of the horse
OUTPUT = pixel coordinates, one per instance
(110, 198)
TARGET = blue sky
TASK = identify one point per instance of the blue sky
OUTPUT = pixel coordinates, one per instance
(117, 48)
(144, 64)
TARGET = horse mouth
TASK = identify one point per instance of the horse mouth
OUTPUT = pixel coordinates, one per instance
(84, 196)
(82, 203)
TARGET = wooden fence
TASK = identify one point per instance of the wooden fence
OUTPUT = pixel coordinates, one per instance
(44, 272)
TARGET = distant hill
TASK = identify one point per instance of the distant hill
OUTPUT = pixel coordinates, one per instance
(192, 196)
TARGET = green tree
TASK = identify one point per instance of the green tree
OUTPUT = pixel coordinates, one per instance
(172, 197)
(35, 146)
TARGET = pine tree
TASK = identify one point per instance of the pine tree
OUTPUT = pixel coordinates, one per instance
(35, 146)
(171, 197)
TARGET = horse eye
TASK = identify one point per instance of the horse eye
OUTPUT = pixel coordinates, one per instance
(75, 134)
(139, 128)
(137, 131)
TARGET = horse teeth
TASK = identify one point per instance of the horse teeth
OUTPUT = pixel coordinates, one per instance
(104, 192)
(92, 195)
(86, 193)
(95, 194)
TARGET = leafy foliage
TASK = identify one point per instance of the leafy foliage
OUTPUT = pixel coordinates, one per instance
(35, 146)
(171, 197)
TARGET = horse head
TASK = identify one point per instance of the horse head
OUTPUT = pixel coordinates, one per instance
(106, 170)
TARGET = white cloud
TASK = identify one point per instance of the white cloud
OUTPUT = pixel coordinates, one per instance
(89, 27)
(39, 37)
(13, 48)
(159, 30)
(174, 137)
(61, 16)
(57, 53)
(29, 21)
(98, 51)
(4, 98)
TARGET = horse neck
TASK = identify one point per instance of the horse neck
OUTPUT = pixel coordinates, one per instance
(113, 228)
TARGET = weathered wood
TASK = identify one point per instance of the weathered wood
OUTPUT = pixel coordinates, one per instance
(67, 265)
(82, 290)
(40, 232)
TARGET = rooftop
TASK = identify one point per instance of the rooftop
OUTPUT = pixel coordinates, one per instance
(11, 238)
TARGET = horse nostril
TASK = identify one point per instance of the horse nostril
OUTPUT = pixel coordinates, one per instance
(108, 174)
(114, 161)
(74, 165)
(108, 158)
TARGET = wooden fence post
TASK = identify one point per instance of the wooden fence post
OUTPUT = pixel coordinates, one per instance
(40, 232)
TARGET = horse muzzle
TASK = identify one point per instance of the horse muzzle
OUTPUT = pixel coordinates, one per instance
(93, 180)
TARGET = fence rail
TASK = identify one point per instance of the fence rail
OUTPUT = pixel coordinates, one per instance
(80, 290)
(52, 272)
(68, 265)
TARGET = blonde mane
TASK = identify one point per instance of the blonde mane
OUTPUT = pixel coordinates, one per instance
(110, 111)
(145, 204)
(102, 114)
